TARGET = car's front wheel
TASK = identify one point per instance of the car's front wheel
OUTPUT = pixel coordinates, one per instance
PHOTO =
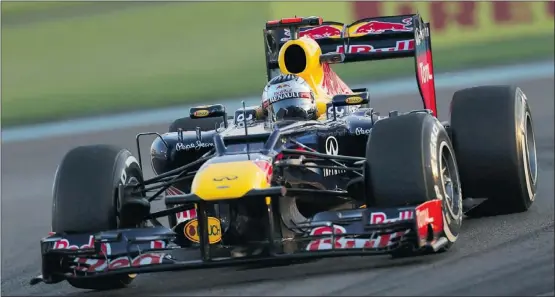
(411, 162)
(85, 198)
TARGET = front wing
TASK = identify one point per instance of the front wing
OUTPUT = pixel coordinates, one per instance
(330, 234)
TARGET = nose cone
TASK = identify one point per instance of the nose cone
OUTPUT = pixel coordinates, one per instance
(228, 180)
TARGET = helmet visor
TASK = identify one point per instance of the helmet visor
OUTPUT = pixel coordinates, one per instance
(292, 109)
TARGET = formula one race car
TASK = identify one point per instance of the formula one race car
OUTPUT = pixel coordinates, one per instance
(245, 189)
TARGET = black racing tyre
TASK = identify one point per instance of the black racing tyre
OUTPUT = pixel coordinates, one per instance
(85, 198)
(410, 161)
(493, 137)
(188, 124)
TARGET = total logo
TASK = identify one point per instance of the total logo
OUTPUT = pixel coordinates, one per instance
(423, 218)
(425, 72)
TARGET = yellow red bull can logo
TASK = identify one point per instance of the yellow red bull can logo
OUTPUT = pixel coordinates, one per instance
(353, 100)
(201, 113)
(191, 230)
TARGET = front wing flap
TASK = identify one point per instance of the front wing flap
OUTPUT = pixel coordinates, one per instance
(329, 234)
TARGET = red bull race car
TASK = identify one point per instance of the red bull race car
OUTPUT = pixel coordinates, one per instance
(245, 189)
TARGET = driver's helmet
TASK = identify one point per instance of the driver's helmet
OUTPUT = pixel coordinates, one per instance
(288, 97)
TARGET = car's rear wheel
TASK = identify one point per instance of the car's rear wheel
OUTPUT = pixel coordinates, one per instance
(85, 198)
(493, 137)
(410, 162)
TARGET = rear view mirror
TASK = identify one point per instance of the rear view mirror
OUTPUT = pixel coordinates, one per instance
(208, 111)
(351, 99)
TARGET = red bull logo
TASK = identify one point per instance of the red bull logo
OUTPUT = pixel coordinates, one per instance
(379, 27)
(94, 265)
(325, 31)
(64, 244)
(401, 45)
(319, 32)
(282, 86)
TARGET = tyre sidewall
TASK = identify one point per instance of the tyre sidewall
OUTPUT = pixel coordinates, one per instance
(114, 168)
(522, 112)
(436, 139)
(489, 133)
(403, 167)
(104, 187)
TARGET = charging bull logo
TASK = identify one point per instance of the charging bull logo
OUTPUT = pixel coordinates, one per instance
(325, 31)
(379, 27)
(281, 86)
(319, 32)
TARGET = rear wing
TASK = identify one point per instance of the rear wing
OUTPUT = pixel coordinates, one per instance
(368, 39)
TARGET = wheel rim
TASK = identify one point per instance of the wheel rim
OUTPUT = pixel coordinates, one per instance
(450, 183)
(530, 155)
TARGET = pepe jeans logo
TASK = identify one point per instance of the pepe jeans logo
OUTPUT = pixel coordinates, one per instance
(195, 145)
(360, 131)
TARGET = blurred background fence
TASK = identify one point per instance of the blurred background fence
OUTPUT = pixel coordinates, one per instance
(68, 59)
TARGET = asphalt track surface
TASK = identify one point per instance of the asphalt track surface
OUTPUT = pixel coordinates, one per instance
(506, 255)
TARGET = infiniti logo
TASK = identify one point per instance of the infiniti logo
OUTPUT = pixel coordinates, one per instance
(222, 178)
(332, 147)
